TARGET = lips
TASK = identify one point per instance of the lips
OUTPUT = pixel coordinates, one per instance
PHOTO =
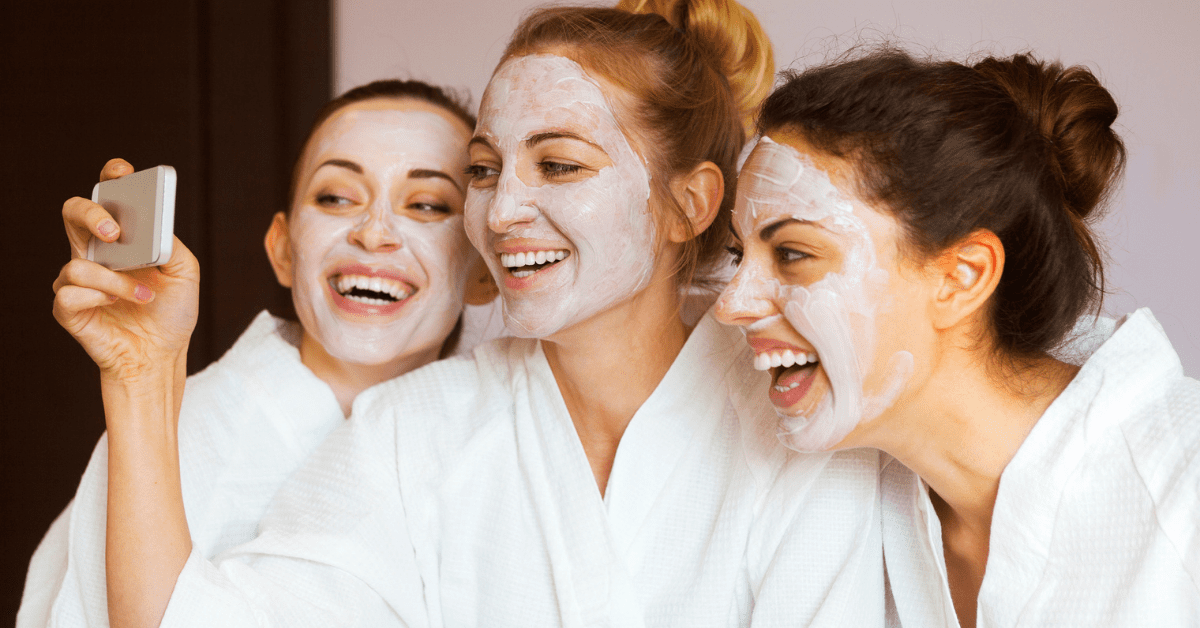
(793, 369)
(527, 260)
(365, 291)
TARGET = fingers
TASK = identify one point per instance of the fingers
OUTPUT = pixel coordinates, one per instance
(71, 300)
(80, 273)
(115, 168)
(182, 263)
(84, 219)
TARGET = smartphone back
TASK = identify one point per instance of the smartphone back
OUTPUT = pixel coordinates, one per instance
(143, 204)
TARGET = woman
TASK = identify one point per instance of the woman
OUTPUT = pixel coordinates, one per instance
(492, 491)
(913, 246)
(376, 197)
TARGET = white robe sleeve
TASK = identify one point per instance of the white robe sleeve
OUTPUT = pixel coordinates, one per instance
(333, 550)
(820, 557)
(47, 569)
(246, 423)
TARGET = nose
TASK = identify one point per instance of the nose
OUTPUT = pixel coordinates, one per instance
(512, 204)
(376, 233)
(747, 298)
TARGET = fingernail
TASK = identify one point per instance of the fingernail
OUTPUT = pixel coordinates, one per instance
(142, 293)
(107, 228)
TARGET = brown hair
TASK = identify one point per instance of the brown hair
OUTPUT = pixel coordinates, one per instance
(1017, 146)
(697, 69)
(442, 97)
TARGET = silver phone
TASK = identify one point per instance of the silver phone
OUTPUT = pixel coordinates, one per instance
(143, 204)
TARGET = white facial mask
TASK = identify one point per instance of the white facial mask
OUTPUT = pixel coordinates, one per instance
(836, 314)
(427, 260)
(603, 222)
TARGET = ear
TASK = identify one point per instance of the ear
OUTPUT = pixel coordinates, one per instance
(967, 275)
(279, 249)
(481, 286)
(699, 193)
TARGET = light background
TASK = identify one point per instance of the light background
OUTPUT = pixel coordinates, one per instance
(1146, 53)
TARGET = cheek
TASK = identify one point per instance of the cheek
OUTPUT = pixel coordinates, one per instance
(475, 211)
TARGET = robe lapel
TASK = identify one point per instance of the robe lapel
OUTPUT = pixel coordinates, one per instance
(589, 576)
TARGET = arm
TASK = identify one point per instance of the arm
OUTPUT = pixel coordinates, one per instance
(135, 325)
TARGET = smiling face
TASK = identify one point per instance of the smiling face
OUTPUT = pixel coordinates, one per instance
(375, 251)
(559, 200)
(818, 292)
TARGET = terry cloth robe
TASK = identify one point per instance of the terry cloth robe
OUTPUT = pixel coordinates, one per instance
(460, 495)
(247, 421)
(1097, 520)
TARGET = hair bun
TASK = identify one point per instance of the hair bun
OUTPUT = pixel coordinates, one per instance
(733, 39)
(1074, 113)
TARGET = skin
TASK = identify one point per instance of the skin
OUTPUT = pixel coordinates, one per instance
(136, 325)
(631, 334)
(960, 416)
(381, 189)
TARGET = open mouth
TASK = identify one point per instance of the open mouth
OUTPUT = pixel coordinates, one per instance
(785, 366)
(527, 263)
(370, 290)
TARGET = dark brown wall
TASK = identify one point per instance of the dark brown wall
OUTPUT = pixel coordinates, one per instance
(223, 90)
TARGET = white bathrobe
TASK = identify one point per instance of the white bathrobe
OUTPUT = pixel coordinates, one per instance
(460, 495)
(1097, 520)
(247, 422)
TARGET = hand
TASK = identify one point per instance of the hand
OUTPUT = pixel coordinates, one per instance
(131, 322)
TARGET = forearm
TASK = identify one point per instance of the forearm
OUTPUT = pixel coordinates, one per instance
(147, 540)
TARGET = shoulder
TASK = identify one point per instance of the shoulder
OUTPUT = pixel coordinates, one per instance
(1163, 439)
(443, 404)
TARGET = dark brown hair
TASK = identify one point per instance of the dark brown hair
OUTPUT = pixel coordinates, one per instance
(1017, 146)
(697, 70)
(389, 88)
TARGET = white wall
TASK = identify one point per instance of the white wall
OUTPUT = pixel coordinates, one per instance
(1147, 54)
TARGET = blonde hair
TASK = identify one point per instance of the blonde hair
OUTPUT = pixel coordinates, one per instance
(734, 37)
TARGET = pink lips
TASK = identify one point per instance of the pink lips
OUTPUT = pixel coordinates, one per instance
(805, 377)
(363, 309)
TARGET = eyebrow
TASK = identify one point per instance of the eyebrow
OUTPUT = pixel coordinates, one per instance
(478, 139)
(419, 173)
(770, 229)
(537, 138)
(341, 163)
(416, 173)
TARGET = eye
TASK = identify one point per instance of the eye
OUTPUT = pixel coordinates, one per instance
(737, 254)
(333, 201)
(432, 208)
(480, 174)
(787, 255)
(554, 169)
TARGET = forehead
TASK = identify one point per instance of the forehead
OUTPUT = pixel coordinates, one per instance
(789, 180)
(391, 126)
(539, 91)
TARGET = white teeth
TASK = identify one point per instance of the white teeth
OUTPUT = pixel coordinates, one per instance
(788, 358)
(391, 287)
(523, 273)
(529, 258)
(784, 389)
(785, 358)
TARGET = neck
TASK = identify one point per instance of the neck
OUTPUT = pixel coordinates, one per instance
(962, 427)
(607, 366)
(959, 430)
(347, 379)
